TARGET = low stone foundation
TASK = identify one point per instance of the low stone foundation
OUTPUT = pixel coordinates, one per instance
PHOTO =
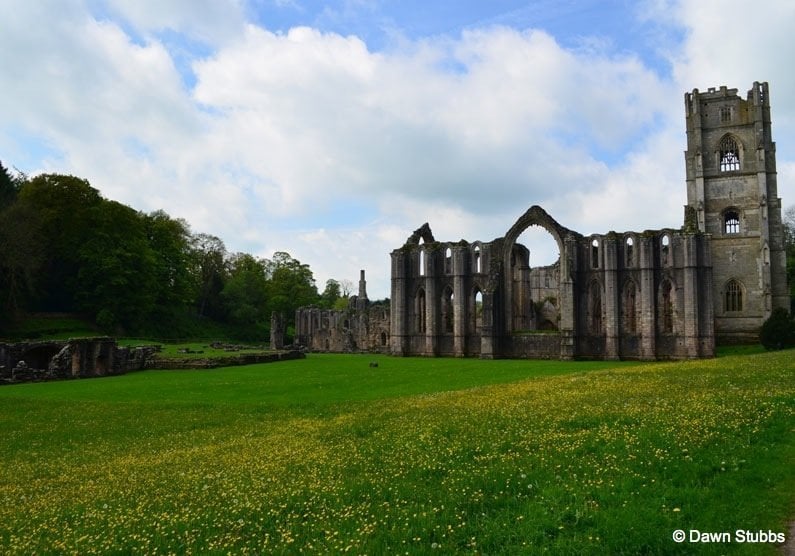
(94, 357)
(226, 361)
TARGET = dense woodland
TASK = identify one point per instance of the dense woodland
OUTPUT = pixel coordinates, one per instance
(66, 249)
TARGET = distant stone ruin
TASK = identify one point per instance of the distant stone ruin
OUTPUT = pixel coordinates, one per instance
(74, 358)
(670, 293)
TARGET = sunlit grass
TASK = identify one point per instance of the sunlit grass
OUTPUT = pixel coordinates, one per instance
(418, 455)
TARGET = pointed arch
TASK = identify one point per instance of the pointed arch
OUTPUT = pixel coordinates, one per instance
(595, 308)
(731, 221)
(476, 310)
(477, 259)
(729, 153)
(419, 311)
(733, 291)
(630, 307)
(447, 310)
(666, 306)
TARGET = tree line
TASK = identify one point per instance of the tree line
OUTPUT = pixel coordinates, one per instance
(66, 249)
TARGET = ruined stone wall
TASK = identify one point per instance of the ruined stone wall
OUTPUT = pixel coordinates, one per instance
(632, 295)
(362, 327)
(74, 358)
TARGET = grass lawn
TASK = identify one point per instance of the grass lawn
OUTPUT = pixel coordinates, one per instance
(417, 455)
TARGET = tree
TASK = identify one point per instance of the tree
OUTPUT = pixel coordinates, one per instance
(21, 258)
(332, 293)
(9, 187)
(117, 274)
(778, 331)
(291, 285)
(789, 246)
(209, 272)
(66, 211)
(170, 242)
(245, 291)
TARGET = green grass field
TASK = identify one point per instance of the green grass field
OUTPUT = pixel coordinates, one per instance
(328, 455)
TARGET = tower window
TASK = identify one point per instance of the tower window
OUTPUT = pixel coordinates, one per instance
(731, 222)
(733, 297)
(725, 114)
(729, 154)
(595, 253)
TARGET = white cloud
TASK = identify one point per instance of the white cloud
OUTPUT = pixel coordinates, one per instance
(312, 143)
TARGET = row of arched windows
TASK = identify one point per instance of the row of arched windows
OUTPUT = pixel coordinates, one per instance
(630, 309)
(448, 312)
(448, 260)
(630, 251)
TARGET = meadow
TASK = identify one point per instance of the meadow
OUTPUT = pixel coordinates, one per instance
(417, 456)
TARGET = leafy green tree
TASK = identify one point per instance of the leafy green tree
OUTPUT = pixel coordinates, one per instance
(778, 331)
(291, 285)
(66, 208)
(789, 244)
(330, 295)
(9, 186)
(170, 242)
(21, 258)
(245, 291)
(117, 272)
(209, 273)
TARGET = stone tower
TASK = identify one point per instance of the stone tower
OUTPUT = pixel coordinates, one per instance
(732, 194)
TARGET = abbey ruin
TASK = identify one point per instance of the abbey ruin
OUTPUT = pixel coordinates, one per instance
(652, 294)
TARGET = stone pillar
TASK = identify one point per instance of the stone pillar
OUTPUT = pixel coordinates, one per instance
(612, 331)
(398, 310)
(691, 300)
(277, 330)
(568, 269)
(487, 327)
(707, 332)
(432, 303)
(648, 295)
(460, 301)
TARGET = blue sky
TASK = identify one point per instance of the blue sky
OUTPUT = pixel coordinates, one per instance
(332, 130)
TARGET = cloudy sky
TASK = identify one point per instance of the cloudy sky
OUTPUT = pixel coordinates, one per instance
(333, 129)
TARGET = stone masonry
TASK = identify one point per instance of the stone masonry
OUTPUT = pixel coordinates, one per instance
(653, 294)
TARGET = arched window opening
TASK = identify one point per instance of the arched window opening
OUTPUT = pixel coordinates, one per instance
(731, 222)
(419, 309)
(725, 114)
(629, 252)
(630, 308)
(595, 309)
(447, 310)
(422, 262)
(729, 154)
(665, 248)
(666, 308)
(733, 297)
(448, 261)
(477, 311)
(595, 253)
(476, 256)
(383, 339)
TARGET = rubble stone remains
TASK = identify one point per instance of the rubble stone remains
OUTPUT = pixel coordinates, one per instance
(75, 358)
(654, 294)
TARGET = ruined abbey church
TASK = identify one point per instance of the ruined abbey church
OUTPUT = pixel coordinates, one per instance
(653, 294)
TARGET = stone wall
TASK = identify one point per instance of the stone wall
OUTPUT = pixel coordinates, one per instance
(74, 358)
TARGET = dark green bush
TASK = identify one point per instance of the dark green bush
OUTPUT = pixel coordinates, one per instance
(778, 331)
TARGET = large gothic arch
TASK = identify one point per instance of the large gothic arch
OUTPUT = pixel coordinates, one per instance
(537, 216)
